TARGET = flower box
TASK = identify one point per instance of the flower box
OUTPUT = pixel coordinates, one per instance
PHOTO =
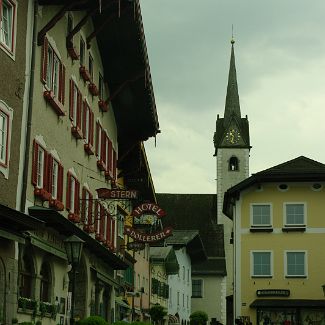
(89, 148)
(72, 51)
(56, 204)
(74, 217)
(84, 73)
(88, 228)
(99, 237)
(101, 165)
(53, 101)
(42, 194)
(93, 89)
(103, 105)
(76, 132)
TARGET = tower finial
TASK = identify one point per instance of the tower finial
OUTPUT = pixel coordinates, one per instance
(232, 34)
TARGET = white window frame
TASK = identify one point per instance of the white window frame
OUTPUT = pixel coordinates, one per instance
(286, 224)
(72, 193)
(252, 264)
(40, 167)
(305, 275)
(55, 178)
(9, 46)
(252, 215)
(5, 139)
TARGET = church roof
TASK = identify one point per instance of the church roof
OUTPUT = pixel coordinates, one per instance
(196, 212)
(232, 113)
(300, 169)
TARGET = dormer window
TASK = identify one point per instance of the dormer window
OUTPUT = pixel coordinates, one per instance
(233, 164)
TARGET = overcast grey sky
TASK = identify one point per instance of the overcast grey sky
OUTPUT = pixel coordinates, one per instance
(280, 61)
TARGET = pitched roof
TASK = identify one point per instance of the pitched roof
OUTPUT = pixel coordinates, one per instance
(167, 256)
(192, 241)
(195, 212)
(300, 169)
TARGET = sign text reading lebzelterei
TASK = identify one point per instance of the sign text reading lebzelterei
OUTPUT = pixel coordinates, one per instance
(105, 193)
(147, 238)
(148, 207)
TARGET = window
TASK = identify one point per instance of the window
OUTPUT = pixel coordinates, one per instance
(88, 128)
(91, 67)
(261, 264)
(188, 275)
(177, 298)
(53, 77)
(261, 215)
(75, 109)
(183, 273)
(7, 25)
(121, 226)
(87, 209)
(197, 288)
(101, 87)
(72, 202)
(170, 297)
(45, 286)
(5, 137)
(82, 49)
(26, 277)
(296, 264)
(294, 214)
(183, 300)
(55, 182)
(233, 164)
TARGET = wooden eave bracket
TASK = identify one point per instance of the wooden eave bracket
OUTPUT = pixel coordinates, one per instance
(101, 27)
(53, 21)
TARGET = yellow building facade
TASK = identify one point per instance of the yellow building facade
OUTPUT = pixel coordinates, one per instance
(279, 235)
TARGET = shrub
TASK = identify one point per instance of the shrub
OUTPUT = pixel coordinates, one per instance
(93, 320)
(120, 322)
(199, 318)
(26, 323)
(140, 323)
(157, 313)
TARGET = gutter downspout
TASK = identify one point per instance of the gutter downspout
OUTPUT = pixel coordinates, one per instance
(29, 111)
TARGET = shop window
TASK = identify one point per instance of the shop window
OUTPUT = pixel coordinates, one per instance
(233, 164)
(296, 264)
(8, 14)
(45, 286)
(261, 264)
(197, 288)
(261, 215)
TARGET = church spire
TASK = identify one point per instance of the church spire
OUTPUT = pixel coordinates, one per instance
(232, 99)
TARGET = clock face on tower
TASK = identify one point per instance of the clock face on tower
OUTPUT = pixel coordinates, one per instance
(233, 136)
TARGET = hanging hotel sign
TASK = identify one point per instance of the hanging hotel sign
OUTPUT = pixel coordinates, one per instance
(273, 292)
(105, 193)
(148, 207)
(147, 238)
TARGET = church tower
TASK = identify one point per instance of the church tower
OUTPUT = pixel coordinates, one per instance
(232, 146)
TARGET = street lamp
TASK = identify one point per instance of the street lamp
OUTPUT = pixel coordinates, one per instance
(73, 246)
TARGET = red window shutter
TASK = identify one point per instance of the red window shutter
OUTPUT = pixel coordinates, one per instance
(44, 60)
(45, 171)
(98, 134)
(60, 183)
(103, 148)
(110, 156)
(96, 213)
(83, 205)
(71, 99)
(91, 128)
(90, 209)
(34, 163)
(68, 199)
(49, 173)
(102, 221)
(113, 232)
(62, 83)
(84, 116)
(114, 165)
(79, 107)
(77, 198)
